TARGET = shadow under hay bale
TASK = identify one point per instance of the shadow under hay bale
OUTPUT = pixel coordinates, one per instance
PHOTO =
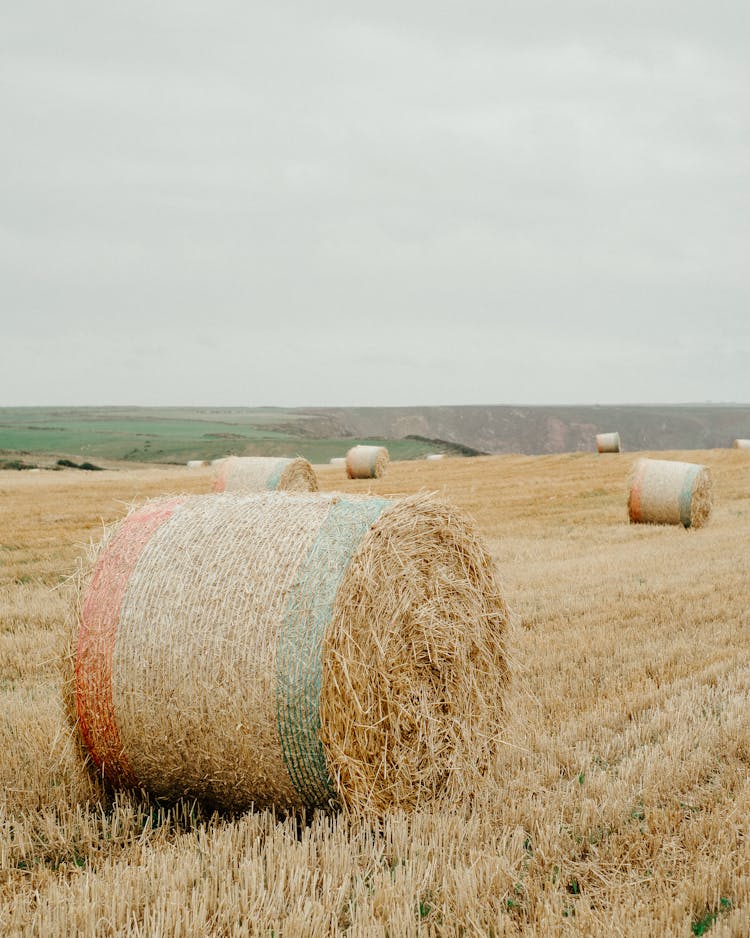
(608, 442)
(293, 650)
(367, 462)
(663, 491)
(265, 474)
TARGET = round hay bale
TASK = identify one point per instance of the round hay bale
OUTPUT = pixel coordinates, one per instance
(665, 491)
(265, 474)
(338, 461)
(741, 444)
(196, 463)
(608, 442)
(434, 456)
(295, 650)
(367, 462)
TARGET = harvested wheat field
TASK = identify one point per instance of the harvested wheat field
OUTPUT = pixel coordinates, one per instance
(618, 804)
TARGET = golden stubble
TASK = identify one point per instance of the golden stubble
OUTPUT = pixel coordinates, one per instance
(618, 803)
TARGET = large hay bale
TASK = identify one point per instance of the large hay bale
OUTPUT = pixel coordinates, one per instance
(665, 491)
(741, 444)
(265, 474)
(293, 650)
(433, 456)
(608, 442)
(367, 462)
(338, 461)
(196, 463)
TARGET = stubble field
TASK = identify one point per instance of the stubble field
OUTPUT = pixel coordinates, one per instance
(618, 806)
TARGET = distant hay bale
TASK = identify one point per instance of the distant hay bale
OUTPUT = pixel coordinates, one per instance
(338, 461)
(608, 442)
(294, 650)
(665, 491)
(265, 474)
(433, 456)
(196, 463)
(741, 444)
(367, 462)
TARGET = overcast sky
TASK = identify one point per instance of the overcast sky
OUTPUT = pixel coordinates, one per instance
(395, 202)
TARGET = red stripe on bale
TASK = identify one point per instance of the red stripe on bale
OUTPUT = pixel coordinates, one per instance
(97, 632)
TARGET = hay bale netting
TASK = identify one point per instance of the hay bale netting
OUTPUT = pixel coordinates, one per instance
(665, 491)
(196, 463)
(741, 444)
(265, 474)
(293, 650)
(338, 461)
(367, 462)
(608, 442)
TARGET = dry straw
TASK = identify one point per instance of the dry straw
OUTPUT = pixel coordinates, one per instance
(265, 474)
(367, 462)
(669, 492)
(608, 442)
(293, 650)
(741, 444)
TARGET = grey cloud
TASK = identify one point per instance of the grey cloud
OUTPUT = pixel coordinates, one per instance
(491, 203)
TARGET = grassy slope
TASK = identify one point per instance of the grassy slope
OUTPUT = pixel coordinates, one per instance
(618, 806)
(165, 436)
(178, 434)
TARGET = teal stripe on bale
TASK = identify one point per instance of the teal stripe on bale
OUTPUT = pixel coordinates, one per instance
(299, 668)
(686, 495)
(272, 483)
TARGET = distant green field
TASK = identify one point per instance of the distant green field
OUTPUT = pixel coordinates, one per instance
(166, 436)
